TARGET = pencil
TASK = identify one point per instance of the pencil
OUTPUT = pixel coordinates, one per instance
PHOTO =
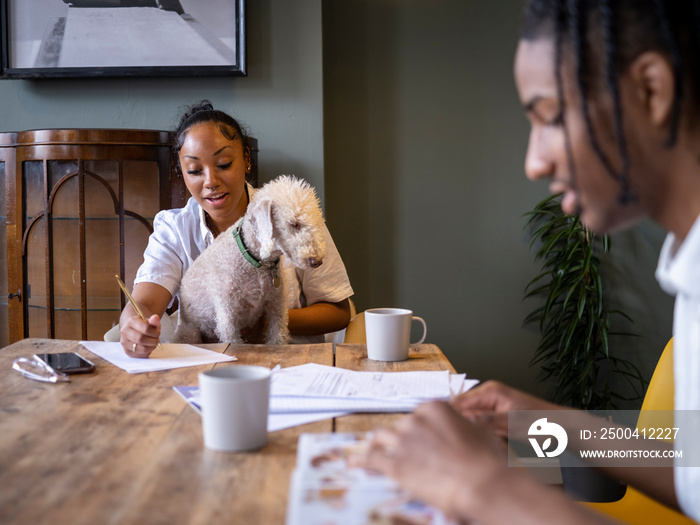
(133, 303)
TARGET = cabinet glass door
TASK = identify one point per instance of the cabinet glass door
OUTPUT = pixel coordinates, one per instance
(84, 217)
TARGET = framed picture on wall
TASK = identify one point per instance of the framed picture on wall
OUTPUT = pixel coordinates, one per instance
(111, 38)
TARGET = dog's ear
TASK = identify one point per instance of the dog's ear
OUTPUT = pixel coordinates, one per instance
(265, 230)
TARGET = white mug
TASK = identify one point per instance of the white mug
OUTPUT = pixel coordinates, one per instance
(235, 403)
(389, 333)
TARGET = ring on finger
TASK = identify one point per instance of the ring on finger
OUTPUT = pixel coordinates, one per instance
(133, 347)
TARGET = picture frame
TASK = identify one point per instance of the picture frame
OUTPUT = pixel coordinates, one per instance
(116, 38)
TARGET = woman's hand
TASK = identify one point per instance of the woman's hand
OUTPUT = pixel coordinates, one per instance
(440, 457)
(139, 338)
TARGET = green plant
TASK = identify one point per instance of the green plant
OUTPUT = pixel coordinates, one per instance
(574, 319)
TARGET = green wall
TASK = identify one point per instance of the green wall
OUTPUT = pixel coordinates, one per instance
(425, 190)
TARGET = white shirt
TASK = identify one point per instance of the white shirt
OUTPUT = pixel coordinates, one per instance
(678, 273)
(180, 235)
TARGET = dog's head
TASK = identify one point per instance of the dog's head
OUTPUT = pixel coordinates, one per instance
(289, 219)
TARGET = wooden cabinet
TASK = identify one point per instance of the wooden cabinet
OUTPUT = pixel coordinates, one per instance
(78, 209)
(7, 141)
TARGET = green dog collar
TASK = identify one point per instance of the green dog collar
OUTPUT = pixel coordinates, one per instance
(246, 253)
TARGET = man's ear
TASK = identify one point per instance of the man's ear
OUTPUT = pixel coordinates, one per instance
(655, 86)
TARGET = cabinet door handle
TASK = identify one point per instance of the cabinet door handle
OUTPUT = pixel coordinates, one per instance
(18, 295)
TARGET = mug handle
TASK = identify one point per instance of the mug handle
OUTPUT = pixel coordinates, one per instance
(425, 330)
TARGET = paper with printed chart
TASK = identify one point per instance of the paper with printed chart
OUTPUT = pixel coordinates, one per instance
(311, 392)
(312, 387)
(328, 487)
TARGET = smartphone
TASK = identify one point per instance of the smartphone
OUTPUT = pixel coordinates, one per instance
(67, 362)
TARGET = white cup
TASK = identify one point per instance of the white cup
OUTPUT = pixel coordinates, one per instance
(389, 333)
(235, 402)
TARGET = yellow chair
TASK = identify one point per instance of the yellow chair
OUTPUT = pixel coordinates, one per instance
(635, 507)
(355, 331)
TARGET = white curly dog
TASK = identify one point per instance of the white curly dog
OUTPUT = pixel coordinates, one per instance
(238, 278)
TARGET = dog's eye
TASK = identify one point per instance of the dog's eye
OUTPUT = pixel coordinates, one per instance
(295, 225)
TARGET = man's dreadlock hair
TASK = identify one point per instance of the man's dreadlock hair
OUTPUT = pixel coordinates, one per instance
(603, 37)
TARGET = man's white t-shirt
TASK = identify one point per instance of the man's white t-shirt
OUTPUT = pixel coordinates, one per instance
(678, 272)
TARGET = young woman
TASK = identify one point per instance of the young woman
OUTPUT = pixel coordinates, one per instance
(214, 160)
(612, 93)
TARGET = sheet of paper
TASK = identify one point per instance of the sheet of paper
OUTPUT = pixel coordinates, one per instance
(281, 421)
(274, 421)
(299, 404)
(459, 384)
(306, 393)
(172, 355)
(313, 380)
(291, 404)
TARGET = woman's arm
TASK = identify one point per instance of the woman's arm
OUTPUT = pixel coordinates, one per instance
(139, 338)
(319, 318)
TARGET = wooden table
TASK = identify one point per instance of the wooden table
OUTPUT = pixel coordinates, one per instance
(118, 448)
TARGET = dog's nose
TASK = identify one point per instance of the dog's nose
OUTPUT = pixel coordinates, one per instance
(314, 262)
